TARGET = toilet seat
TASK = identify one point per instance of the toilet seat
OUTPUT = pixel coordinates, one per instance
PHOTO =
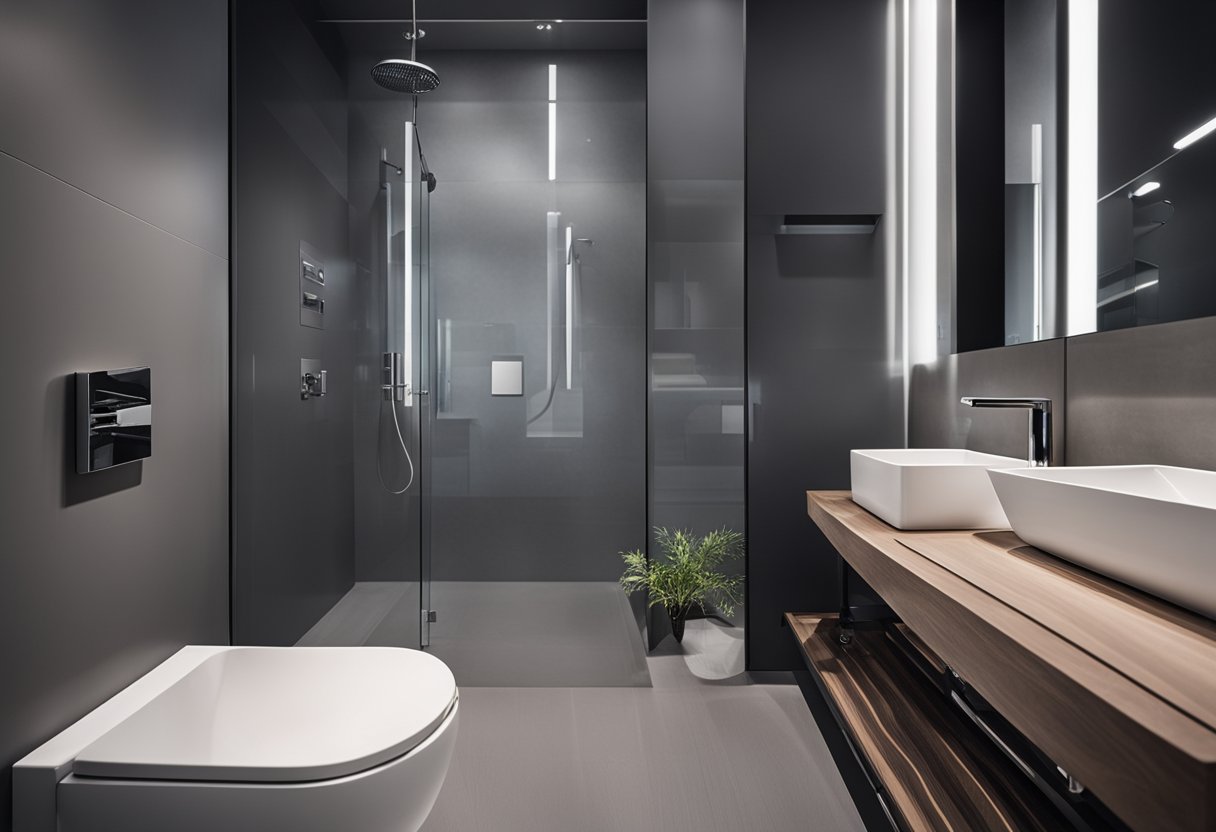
(274, 715)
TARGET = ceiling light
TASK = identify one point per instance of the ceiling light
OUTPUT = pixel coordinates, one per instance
(1195, 135)
(1146, 188)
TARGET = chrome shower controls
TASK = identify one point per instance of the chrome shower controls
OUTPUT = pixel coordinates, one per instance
(312, 287)
(314, 381)
(393, 383)
(113, 418)
(311, 271)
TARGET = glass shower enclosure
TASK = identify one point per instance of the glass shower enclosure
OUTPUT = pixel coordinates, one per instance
(476, 460)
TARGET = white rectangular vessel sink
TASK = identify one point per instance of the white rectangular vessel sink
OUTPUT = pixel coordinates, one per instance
(922, 488)
(1150, 526)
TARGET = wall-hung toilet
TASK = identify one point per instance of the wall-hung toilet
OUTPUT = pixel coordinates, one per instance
(306, 739)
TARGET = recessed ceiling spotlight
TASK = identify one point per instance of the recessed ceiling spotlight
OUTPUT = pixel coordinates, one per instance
(540, 26)
(1146, 188)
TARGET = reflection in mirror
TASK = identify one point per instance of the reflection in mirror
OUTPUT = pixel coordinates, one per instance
(1155, 167)
(1109, 167)
(1031, 168)
(1156, 254)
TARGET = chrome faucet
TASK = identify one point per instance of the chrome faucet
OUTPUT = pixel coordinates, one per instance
(1039, 451)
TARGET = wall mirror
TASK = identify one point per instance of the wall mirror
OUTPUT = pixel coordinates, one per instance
(1109, 166)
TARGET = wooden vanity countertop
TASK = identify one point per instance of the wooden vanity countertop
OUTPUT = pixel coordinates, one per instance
(1116, 686)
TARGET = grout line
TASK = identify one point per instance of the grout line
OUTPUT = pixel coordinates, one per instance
(111, 204)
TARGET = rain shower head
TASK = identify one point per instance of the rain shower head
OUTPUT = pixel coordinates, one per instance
(400, 75)
(409, 77)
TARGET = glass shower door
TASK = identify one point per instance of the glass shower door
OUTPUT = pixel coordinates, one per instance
(418, 192)
(395, 539)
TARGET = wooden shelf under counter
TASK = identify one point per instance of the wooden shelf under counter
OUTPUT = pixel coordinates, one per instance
(1115, 686)
(934, 770)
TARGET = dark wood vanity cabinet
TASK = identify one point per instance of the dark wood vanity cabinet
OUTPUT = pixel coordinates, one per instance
(1100, 686)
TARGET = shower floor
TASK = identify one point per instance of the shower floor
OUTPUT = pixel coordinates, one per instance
(501, 633)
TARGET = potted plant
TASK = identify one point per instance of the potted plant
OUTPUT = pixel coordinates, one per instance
(688, 575)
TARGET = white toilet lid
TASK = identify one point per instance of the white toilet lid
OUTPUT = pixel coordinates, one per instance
(280, 714)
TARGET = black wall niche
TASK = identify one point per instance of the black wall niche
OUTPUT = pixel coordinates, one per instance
(979, 123)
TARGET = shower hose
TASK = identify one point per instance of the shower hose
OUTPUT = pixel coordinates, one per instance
(392, 403)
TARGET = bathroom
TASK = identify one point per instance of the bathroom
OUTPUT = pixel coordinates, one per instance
(448, 307)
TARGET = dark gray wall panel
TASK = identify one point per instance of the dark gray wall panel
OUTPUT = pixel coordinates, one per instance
(820, 383)
(294, 538)
(141, 85)
(695, 89)
(104, 575)
(1144, 395)
(821, 377)
(816, 74)
(936, 419)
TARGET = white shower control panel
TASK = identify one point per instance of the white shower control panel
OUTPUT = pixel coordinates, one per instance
(507, 375)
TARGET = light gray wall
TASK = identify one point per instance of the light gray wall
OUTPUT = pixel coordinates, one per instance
(293, 517)
(695, 205)
(114, 198)
(1144, 395)
(820, 380)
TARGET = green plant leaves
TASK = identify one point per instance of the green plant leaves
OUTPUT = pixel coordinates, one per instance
(688, 575)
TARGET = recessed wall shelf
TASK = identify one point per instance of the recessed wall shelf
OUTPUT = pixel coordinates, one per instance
(828, 223)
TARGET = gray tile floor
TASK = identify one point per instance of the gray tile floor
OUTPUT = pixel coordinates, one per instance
(510, 633)
(677, 740)
(533, 633)
(685, 754)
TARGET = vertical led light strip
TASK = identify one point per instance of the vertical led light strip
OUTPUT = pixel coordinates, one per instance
(920, 189)
(552, 290)
(569, 307)
(1036, 178)
(888, 224)
(1082, 257)
(407, 265)
(552, 122)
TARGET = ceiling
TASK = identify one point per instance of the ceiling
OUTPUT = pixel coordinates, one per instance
(523, 10)
(388, 37)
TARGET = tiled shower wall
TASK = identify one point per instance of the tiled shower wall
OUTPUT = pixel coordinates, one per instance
(1144, 395)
